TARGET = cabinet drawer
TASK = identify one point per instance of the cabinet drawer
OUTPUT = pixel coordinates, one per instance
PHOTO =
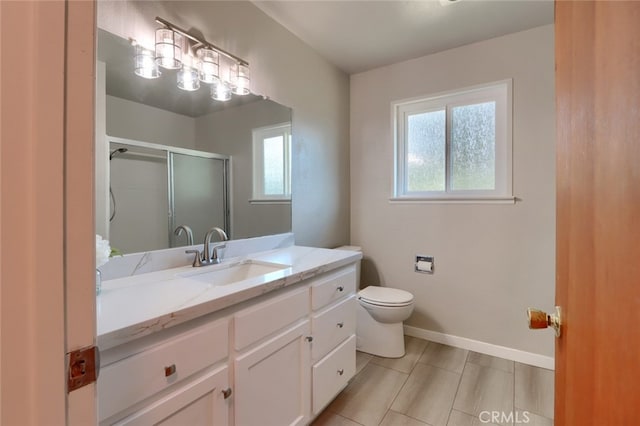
(332, 373)
(133, 379)
(199, 402)
(332, 326)
(333, 287)
(257, 322)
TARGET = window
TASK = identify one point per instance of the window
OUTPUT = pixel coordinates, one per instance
(455, 146)
(272, 163)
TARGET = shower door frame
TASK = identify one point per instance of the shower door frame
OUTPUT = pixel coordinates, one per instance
(169, 150)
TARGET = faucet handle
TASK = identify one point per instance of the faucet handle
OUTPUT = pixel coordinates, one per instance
(214, 256)
(197, 261)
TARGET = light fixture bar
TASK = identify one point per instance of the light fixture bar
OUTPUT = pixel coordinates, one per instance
(203, 42)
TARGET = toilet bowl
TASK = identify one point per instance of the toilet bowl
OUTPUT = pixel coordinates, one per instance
(380, 313)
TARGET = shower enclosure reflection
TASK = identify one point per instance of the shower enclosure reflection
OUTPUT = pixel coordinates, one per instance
(157, 189)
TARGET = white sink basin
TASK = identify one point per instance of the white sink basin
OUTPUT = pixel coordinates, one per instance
(222, 274)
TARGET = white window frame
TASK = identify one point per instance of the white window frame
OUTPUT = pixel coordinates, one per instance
(499, 92)
(259, 135)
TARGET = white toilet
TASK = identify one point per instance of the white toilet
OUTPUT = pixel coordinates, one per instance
(380, 313)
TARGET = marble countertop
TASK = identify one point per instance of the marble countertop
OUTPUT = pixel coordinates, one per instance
(131, 307)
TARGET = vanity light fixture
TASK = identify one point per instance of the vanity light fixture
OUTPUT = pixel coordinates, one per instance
(188, 75)
(221, 91)
(196, 60)
(209, 65)
(145, 61)
(240, 79)
(168, 48)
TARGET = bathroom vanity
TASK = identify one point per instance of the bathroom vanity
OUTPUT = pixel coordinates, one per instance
(265, 339)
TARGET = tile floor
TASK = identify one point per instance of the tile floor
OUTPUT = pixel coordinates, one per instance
(439, 385)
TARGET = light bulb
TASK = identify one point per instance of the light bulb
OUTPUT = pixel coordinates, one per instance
(145, 64)
(168, 48)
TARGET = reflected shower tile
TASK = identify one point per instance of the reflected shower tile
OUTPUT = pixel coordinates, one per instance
(428, 394)
(396, 419)
(534, 390)
(444, 356)
(490, 361)
(327, 418)
(484, 389)
(368, 397)
(362, 359)
(413, 350)
(458, 418)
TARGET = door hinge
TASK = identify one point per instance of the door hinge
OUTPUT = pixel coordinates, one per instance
(83, 367)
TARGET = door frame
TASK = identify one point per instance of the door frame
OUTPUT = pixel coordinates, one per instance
(47, 275)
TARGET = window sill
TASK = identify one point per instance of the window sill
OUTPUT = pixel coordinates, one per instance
(453, 200)
(268, 201)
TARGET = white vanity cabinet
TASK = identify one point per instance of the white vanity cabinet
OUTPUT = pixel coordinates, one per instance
(181, 378)
(277, 359)
(333, 326)
(271, 365)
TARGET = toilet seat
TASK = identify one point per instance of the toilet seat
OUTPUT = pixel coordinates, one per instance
(385, 296)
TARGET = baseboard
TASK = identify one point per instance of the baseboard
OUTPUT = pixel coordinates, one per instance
(524, 357)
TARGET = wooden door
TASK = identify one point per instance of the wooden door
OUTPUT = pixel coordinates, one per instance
(598, 212)
(47, 243)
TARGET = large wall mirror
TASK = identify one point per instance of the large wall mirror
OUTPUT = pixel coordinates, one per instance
(174, 158)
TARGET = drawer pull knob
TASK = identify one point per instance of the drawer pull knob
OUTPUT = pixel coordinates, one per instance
(341, 372)
(309, 338)
(170, 370)
(340, 288)
(227, 392)
(340, 324)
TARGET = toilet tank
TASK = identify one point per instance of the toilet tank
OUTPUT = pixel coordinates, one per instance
(358, 249)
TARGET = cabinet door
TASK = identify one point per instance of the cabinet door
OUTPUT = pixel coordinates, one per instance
(272, 381)
(199, 402)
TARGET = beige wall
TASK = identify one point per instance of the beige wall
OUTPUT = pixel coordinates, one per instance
(492, 261)
(132, 120)
(289, 72)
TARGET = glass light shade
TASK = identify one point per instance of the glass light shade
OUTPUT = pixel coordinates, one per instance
(188, 78)
(240, 79)
(145, 64)
(168, 48)
(220, 91)
(208, 66)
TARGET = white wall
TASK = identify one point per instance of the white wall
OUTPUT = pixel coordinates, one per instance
(132, 120)
(491, 261)
(229, 132)
(289, 72)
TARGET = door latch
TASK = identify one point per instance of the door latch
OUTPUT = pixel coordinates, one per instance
(83, 367)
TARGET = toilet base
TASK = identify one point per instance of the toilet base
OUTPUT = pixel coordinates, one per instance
(375, 338)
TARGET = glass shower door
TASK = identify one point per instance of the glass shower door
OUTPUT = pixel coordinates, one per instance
(198, 195)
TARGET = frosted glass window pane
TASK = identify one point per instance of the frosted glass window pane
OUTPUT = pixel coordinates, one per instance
(274, 166)
(473, 147)
(426, 151)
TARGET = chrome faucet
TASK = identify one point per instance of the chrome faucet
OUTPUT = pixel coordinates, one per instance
(205, 258)
(187, 230)
(207, 240)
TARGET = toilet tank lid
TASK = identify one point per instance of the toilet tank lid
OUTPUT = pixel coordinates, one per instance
(349, 248)
(384, 295)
